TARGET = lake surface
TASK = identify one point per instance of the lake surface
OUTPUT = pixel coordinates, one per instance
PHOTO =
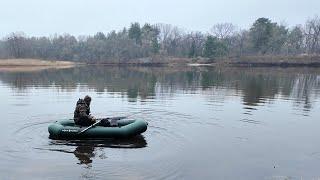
(204, 123)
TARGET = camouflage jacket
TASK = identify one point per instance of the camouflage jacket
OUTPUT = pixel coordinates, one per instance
(82, 114)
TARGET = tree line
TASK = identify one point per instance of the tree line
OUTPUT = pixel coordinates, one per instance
(223, 40)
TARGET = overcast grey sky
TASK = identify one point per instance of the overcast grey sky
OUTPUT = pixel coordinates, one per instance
(84, 17)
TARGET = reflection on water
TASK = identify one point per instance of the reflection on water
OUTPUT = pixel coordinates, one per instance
(85, 149)
(257, 86)
(84, 154)
(204, 123)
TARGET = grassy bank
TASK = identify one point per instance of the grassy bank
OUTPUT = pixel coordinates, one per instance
(26, 65)
(282, 61)
(33, 62)
(262, 61)
(243, 61)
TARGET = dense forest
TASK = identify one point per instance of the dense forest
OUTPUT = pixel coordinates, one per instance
(148, 42)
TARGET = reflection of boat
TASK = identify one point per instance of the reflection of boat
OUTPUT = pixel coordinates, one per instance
(85, 149)
(66, 129)
(133, 142)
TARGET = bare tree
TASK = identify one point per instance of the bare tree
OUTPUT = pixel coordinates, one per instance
(195, 41)
(170, 38)
(239, 43)
(312, 33)
(295, 41)
(16, 44)
(223, 30)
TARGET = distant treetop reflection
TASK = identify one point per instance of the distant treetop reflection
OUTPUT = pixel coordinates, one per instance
(256, 85)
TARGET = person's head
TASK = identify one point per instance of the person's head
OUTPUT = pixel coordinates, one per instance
(87, 99)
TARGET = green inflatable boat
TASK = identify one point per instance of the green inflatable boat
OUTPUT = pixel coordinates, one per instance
(66, 129)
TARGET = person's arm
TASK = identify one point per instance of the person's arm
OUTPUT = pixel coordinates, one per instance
(92, 118)
(89, 116)
(83, 113)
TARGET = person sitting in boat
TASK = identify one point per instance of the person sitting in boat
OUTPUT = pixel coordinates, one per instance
(82, 112)
(83, 117)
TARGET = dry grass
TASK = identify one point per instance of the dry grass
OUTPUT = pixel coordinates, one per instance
(33, 62)
(30, 65)
(30, 68)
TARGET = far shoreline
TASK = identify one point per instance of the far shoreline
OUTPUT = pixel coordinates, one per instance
(245, 61)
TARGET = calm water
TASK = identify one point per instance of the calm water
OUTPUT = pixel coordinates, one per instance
(204, 123)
